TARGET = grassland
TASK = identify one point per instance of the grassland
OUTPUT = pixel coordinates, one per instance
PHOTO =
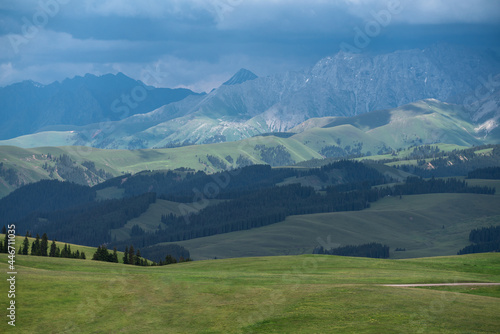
(420, 123)
(424, 225)
(29, 163)
(294, 294)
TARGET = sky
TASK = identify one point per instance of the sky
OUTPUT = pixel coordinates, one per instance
(199, 44)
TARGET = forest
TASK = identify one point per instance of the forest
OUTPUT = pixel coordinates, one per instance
(249, 197)
(373, 250)
(486, 239)
(455, 163)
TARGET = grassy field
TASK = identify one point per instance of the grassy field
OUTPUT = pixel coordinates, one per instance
(425, 225)
(132, 161)
(294, 294)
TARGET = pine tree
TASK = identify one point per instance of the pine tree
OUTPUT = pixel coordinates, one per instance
(125, 256)
(58, 252)
(138, 258)
(101, 254)
(115, 255)
(1, 246)
(44, 245)
(169, 259)
(64, 252)
(35, 247)
(5, 247)
(53, 248)
(131, 255)
(26, 245)
(82, 256)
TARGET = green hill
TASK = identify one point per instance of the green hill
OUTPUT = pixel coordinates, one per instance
(420, 123)
(28, 164)
(295, 294)
(425, 225)
(373, 134)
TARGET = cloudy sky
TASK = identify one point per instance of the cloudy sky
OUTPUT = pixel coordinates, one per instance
(200, 43)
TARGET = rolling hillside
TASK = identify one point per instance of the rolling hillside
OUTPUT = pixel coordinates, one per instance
(28, 163)
(425, 225)
(375, 133)
(299, 294)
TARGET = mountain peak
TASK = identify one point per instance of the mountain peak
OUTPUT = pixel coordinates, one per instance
(240, 77)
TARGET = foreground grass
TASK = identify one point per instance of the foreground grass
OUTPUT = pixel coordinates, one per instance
(295, 294)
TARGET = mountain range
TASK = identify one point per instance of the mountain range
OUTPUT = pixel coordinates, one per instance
(29, 107)
(343, 85)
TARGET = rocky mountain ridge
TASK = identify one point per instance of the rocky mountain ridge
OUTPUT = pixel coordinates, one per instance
(341, 85)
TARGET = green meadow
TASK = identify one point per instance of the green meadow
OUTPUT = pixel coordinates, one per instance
(288, 294)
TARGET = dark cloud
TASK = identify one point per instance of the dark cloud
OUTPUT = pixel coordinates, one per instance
(200, 43)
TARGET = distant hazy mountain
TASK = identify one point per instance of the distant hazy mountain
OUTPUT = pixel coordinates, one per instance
(240, 77)
(28, 106)
(484, 106)
(342, 85)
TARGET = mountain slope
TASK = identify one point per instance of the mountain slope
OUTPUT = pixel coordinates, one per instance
(342, 85)
(379, 132)
(419, 123)
(414, 222)
(240, 77)
(28, 107)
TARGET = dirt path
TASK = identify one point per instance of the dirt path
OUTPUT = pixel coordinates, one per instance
(441, 284)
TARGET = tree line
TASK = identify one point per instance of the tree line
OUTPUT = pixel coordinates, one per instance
(486, 239)
(492, 173)
(373, 250)
(40, 247)
(132, 257)
(272, 205)
(455, 163)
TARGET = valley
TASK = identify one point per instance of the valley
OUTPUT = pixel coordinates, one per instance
(247, 167)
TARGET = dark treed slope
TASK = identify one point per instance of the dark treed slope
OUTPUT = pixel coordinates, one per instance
(455, 163)
(44, 196)
(486, 239)
(88, 224)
